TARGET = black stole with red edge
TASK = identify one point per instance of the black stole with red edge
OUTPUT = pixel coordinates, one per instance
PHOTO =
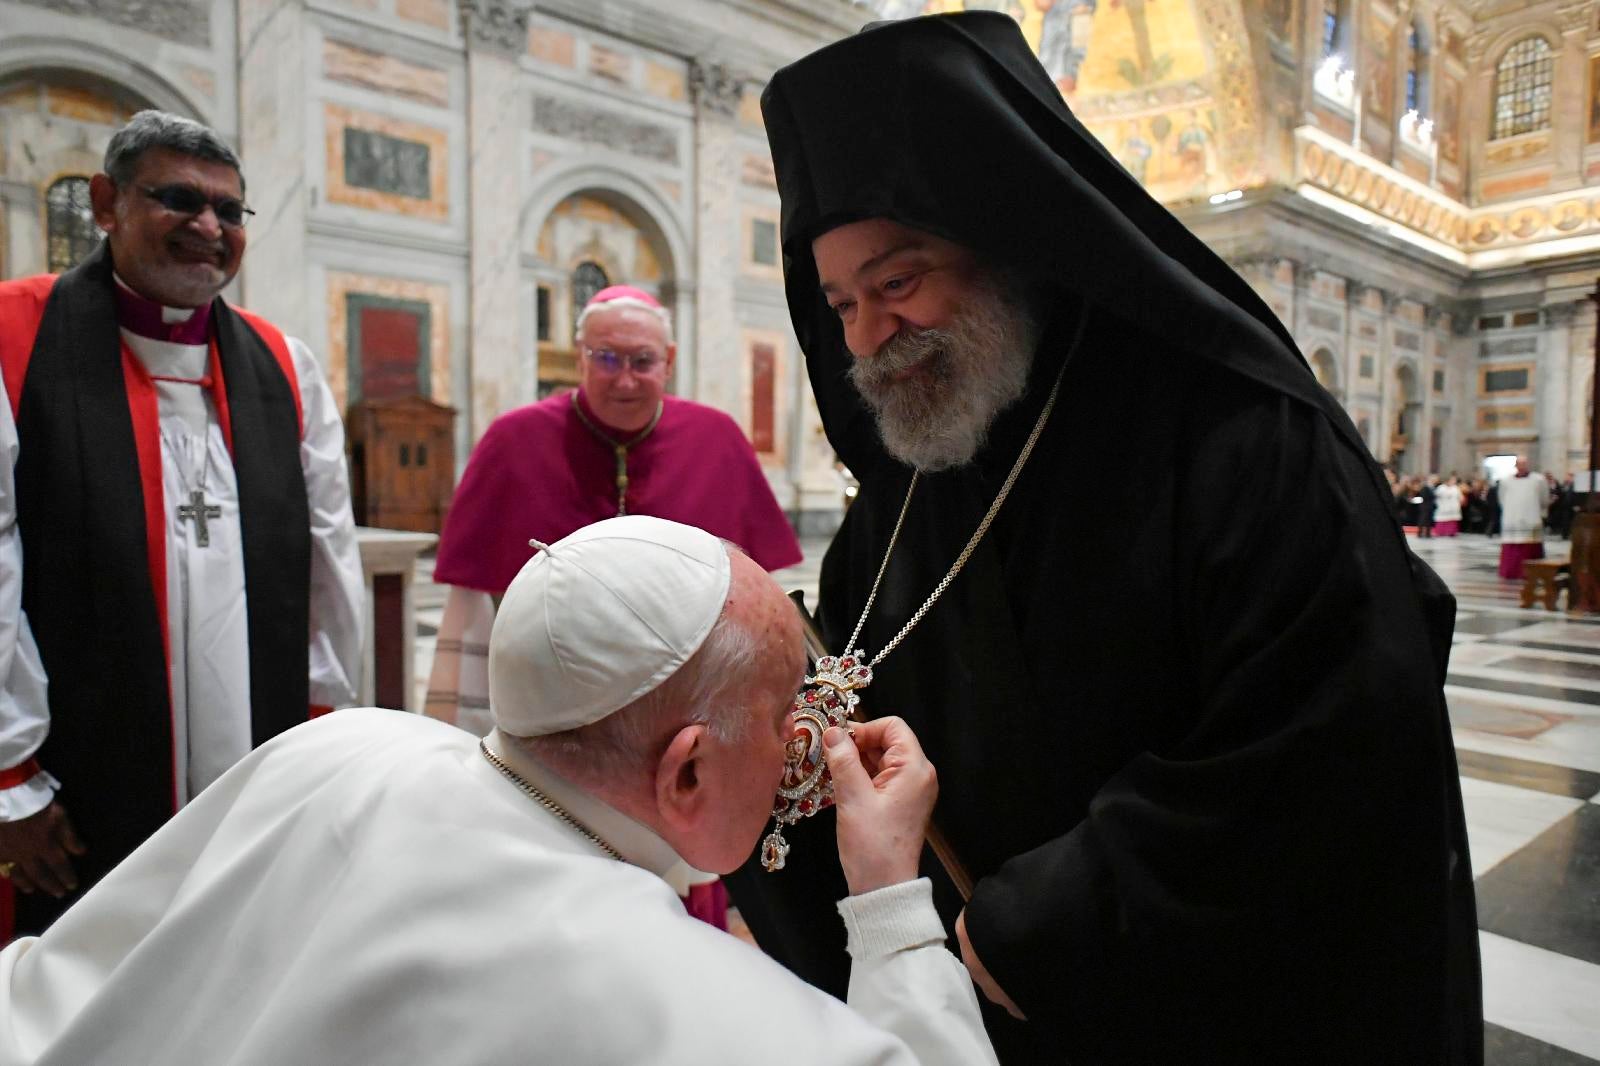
(88, 577)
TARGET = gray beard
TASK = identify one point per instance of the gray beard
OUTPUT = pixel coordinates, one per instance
(968, 373)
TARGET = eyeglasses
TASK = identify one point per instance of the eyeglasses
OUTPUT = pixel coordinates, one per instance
(610, 362)
(188, 200)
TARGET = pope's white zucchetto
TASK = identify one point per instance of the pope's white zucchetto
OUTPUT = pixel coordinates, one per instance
(601, 617)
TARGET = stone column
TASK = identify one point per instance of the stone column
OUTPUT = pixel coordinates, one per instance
(23, 230)
(496, 32)
(273, 138)
(716, 361)
(1569, 94)
(1554, 390)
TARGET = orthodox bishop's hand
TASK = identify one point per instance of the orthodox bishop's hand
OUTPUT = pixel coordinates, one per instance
(39, 849)
(884, 788)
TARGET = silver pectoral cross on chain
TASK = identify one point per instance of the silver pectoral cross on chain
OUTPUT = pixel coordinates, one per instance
(201, 512)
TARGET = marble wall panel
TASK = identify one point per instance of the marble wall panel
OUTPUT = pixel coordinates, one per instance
(386, 74)
(435, 296)
(1507, 187)
(84, 105)
(758, 171)
(393, 166)
(552, 46)
(749, 112)
(765, 411)
(611, 64)
(670, 83)
(761, 257)
(432, 13)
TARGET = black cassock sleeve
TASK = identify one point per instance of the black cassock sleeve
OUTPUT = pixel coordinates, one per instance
(1282, 880)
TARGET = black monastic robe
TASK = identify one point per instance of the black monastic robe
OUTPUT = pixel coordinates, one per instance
(1185, 700)
(88, 504)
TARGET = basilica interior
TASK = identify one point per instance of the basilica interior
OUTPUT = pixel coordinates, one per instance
(1412, 186)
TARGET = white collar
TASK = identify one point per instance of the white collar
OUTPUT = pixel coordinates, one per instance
(637, 843)
(168, 314)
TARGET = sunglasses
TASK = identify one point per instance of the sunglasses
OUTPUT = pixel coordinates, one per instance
(188, 200)
(610, 362)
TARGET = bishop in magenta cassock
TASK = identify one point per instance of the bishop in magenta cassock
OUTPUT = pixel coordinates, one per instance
(178, 556)
(617, 445)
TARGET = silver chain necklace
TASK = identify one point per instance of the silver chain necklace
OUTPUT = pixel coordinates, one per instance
(546, 802)
(831, 694)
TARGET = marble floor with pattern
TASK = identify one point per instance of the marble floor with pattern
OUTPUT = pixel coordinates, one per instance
(1524, 697)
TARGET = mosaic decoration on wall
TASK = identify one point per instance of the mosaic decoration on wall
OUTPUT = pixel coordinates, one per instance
(1168, 86)
(384, 164)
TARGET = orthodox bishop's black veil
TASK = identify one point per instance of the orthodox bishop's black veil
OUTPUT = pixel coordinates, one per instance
(86, 582)
(1185, 699)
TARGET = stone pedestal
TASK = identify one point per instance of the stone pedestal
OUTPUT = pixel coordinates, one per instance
(388, 559)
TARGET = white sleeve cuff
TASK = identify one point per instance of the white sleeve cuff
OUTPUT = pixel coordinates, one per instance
(892, 919)
(28, 798)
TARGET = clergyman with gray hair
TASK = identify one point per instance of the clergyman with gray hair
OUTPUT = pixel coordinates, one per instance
(179, 579)
(418, 895)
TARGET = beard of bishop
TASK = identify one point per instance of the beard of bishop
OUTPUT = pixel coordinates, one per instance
(968, 373)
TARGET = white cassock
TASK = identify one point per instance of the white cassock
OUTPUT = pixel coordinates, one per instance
(207, 627)
(1446, 503)
(1523, 503)
(368, 889)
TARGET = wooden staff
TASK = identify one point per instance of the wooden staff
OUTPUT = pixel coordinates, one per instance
(954, 868)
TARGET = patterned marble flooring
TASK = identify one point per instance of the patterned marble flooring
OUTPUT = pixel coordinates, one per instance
(1524, 696)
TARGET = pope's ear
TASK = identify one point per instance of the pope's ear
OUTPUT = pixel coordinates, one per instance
(672, 356)
(681, 793)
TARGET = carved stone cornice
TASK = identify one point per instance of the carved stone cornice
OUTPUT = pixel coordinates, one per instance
(717, 90)
(1477, 47)
(1357, 295)
(1576, 18)
(1561, 316)
(499, 26)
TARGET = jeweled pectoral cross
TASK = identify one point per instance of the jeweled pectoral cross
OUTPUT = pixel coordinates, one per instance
(828, 698)
(198, 509)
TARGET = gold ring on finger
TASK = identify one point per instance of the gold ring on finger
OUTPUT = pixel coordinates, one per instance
(6, 868)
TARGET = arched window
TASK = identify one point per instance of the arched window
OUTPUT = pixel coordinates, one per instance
(1330, 27)
(71, 232)
(1416, 70)
(1522, 88)
(587, 279)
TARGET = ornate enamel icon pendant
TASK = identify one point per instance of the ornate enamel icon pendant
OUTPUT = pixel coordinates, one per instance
(828, 698)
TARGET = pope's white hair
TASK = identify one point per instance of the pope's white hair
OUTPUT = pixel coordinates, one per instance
(660, 313)
(710, 689)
